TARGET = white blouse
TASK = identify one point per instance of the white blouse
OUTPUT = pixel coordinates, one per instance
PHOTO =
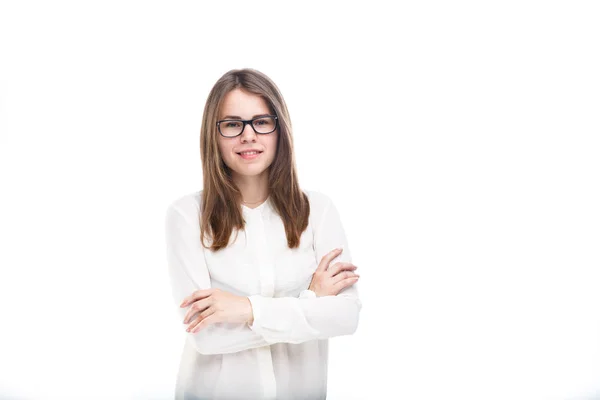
(283, 354)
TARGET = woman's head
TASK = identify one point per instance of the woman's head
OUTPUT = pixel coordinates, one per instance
(243, 94)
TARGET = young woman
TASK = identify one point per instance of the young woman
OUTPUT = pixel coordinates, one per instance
(260, 269)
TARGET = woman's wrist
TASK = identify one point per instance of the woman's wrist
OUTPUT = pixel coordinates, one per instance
(250, 313)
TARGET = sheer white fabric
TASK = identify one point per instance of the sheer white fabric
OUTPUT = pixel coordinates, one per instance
(283, 354)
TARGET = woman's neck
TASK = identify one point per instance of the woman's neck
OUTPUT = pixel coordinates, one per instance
(254, 189)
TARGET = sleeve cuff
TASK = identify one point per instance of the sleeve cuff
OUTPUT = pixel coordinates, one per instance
(255, 302)
(307, 294)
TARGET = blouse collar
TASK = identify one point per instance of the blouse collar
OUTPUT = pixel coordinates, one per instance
(263, 210)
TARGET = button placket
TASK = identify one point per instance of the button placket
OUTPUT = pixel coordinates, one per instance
(257, 239)
(265, 262)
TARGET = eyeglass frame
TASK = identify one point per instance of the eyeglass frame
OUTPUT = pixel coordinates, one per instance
(248, 121)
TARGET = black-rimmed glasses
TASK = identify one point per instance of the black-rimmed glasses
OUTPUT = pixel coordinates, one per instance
(234, 127)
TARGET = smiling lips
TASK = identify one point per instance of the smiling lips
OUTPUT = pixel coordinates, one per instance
(249, 155)
(249, 151)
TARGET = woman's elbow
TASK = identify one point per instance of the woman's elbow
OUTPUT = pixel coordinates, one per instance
(356, 313)
(350, 323)
(202, 344)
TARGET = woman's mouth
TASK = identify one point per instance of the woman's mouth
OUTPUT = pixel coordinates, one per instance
(249, 155)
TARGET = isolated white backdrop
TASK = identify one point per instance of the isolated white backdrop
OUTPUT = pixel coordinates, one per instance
(459, 141)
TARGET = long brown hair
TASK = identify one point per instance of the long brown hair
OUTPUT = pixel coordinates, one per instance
(221, 210)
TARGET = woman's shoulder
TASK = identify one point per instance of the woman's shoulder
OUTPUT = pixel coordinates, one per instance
(187, 204)
(318, 199)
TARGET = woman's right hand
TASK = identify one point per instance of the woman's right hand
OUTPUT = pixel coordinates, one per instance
(329, 281)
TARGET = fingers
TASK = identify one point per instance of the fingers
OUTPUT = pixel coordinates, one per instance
(197, 295)
(344, 283)
(205, 318)
(327, 258)
(344, 276)
(341, 266)
(197, 307)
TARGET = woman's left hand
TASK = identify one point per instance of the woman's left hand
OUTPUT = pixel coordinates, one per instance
(216, 305)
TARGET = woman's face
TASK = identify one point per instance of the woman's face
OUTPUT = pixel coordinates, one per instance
(239, 104)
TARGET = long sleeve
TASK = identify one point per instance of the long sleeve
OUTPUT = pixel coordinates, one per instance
(188, 272)
(295, 320)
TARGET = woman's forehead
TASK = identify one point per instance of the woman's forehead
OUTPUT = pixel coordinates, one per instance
(241, 104)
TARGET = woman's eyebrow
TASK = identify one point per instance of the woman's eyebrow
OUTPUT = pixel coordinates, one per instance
(238, 117)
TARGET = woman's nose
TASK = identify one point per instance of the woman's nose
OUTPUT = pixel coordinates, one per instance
(248, 132)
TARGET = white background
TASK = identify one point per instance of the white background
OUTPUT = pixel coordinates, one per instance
(459, 140)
